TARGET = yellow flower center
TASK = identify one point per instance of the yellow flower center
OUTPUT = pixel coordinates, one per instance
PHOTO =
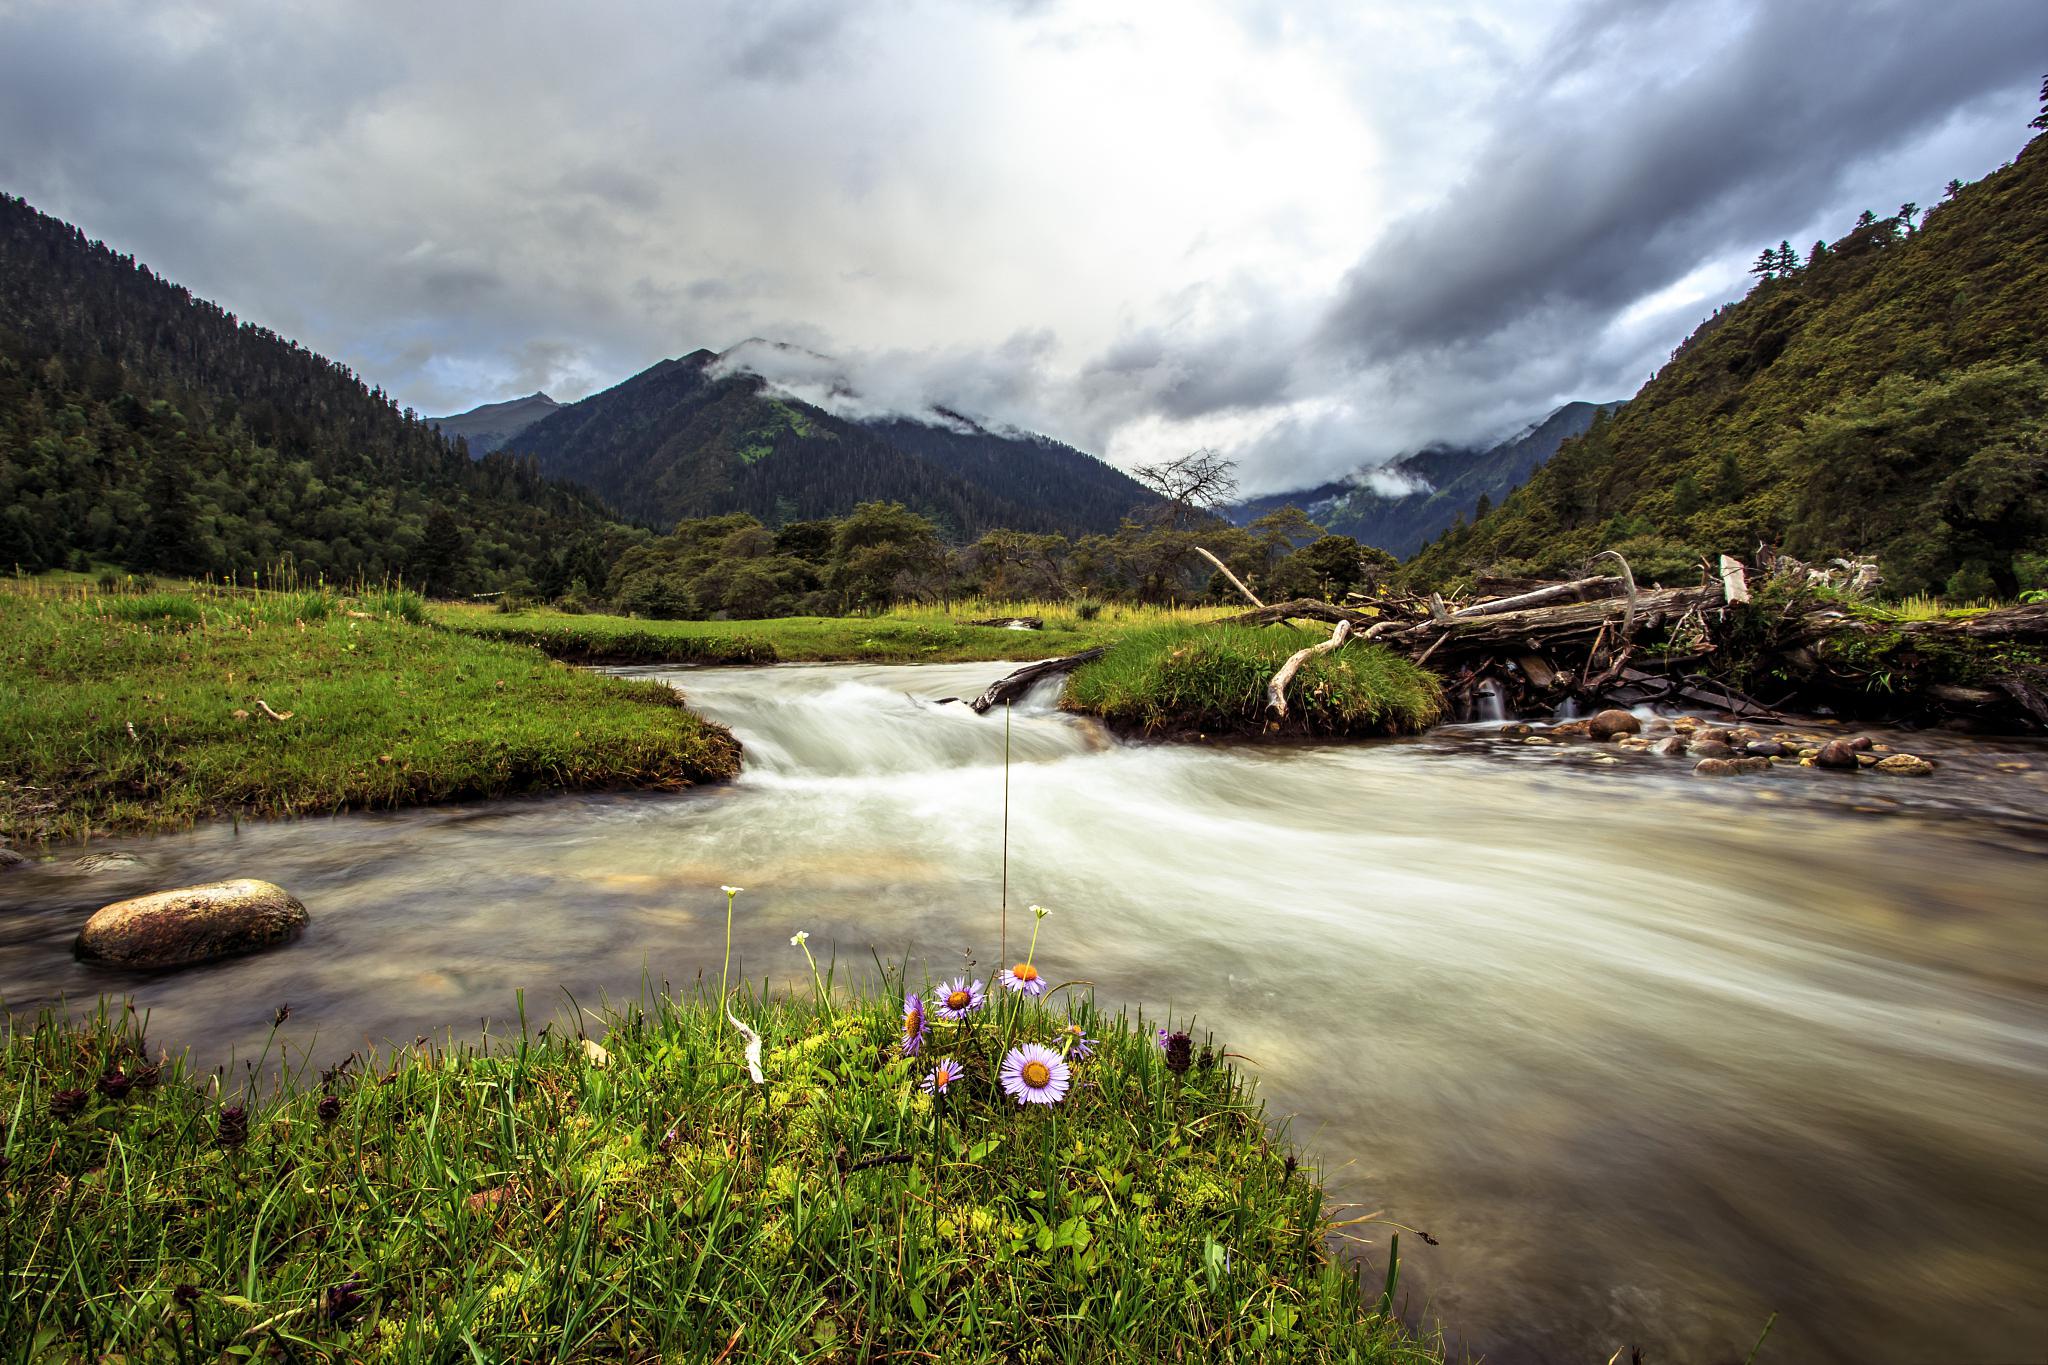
(958, 1000)
(913, 1020)
(1037, 1075)
(1024, 971)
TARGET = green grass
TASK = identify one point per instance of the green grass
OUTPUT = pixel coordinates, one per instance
(911, 634)
(125, 713)
(515, 1200)
(1213, 679)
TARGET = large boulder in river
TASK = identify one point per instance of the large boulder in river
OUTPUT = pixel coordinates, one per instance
(1610, 723)
(1905, 765)
(192, 924)
(1835, 754)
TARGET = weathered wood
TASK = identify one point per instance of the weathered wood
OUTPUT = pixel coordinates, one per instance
(1578, 590)
(1016, 684)
(1544, 628)
(1276, 688)
(1537, 670)
(1734, 580)
(1012, 622)
(1224, 569)
(1299, 608)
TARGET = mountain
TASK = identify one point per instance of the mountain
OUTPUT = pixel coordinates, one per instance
(143, 426)
(1889, 396)
(1402, 506)
(489, 427)
(692, 437)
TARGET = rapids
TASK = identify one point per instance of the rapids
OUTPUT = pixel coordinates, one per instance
(1650, 1056)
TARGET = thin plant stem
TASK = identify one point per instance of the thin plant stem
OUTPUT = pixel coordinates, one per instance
(1003, 945)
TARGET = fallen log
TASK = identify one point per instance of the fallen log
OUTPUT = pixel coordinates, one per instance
(1276, 687)
(1016, 684)
(1235, 582)
(1578, 590)
(1536, 629)
(1302, 609)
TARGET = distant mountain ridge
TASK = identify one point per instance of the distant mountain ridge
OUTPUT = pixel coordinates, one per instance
(489, 426)
(1448, 481)
(694, 437)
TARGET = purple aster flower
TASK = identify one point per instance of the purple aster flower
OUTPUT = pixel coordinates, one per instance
(943, 1076)
(1023, 978)
(913, 1024)
(1036, 1075)
(1075, 1042)
(960, 999)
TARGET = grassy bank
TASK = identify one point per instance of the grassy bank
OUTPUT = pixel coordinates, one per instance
(126, 713)
(529, 1199)
(1212, 679)
(910, 634)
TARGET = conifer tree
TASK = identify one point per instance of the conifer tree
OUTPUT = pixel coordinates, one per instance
(1865, 219)
(2041, 119)
(1907, 211)
(1788, 259)
(1766, 266)
(1954, 188)
(1815, 256)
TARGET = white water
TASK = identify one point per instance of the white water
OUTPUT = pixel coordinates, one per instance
(1652, 1057)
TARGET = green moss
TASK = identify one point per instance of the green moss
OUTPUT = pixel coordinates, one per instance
(513, 1201)
(125, 714)
(1213, 679)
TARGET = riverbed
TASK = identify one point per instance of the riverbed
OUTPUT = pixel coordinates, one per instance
(1650, 1056)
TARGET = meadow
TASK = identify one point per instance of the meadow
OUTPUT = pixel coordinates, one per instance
(127, 711)
(908, 633)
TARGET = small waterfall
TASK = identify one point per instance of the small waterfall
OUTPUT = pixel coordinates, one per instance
(1568, 709)
(1489, 704)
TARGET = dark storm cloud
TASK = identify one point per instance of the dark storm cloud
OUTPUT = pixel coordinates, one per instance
(1620, 172)
(999, 207)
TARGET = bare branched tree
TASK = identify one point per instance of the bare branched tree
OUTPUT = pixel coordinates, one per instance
(1192, 484)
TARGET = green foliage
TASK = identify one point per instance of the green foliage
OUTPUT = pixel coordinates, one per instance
(1212, 679)
(1887, 398)
(144, 427)
(131, 713)
(524, 1199)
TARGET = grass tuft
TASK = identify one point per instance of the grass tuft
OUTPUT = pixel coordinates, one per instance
(535, 1197)
(1212, 679)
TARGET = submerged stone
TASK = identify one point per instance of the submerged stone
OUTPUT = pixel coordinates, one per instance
(190, 925)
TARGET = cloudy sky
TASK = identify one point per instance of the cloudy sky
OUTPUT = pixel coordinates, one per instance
(1314, 234)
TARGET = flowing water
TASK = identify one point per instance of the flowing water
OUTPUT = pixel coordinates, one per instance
(1652, 1057)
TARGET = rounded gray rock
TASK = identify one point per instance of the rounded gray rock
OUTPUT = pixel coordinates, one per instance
(1613, 722)
(191, 924)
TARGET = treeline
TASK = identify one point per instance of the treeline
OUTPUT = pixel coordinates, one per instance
(1884, 394)
(143, 426)
(735, 566)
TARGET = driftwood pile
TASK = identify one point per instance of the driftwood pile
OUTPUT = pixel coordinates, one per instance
(1529, 648)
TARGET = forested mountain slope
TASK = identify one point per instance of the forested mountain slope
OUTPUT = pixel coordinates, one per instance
(147, 427)
(1888, 395)
(686, 439)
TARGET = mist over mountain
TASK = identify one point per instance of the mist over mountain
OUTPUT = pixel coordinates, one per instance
(1403, 505)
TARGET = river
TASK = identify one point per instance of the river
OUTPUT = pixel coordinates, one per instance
(1652, 1057)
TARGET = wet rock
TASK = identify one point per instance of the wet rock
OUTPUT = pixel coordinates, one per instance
(1730, 767)
(1835, 754)
(1611, 723)
(1711, 748)
(1859, 743)
(1768, 748)
(1743, 734)
(1515, 731)
(94, 864)
(1571, 727)
(1671, 747)
(9, 858)
(1905, 765)
(1538, 739)
(1684, 724)
(1866, 759)
(191, 924)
